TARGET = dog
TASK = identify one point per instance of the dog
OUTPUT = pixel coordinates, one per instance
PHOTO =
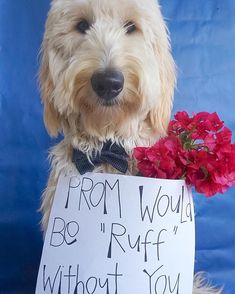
(107, 75)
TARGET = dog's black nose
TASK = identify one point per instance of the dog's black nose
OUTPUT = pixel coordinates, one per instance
(107, 84)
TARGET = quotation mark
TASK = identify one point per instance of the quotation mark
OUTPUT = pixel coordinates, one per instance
(175, 229)
(103, 227)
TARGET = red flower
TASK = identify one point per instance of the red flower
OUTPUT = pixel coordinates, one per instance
(161, 160)
(180, 124)
(197, 149)
(200, 168)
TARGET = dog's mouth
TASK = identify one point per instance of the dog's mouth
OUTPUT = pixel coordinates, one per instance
(108, 102)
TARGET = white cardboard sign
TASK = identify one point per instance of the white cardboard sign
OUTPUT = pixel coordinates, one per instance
(114, 234)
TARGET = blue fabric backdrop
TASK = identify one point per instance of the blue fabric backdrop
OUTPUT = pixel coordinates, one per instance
(203, 39)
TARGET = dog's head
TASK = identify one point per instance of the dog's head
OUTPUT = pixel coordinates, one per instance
(107, 68)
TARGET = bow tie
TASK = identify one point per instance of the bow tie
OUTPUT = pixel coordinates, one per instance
(111, 153)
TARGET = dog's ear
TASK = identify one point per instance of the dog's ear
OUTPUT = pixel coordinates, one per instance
(159, 116)
(51, 115)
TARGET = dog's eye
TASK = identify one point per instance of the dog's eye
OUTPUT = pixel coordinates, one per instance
(83, 26)
(130, 27)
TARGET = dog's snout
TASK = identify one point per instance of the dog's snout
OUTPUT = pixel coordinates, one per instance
(107, 84)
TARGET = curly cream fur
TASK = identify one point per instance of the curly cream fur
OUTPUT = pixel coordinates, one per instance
(201, 285)
(142, 112)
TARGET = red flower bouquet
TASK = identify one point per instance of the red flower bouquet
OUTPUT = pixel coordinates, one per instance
(197, 149)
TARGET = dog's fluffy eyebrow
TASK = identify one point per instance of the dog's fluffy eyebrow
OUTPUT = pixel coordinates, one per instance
(74, 10)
